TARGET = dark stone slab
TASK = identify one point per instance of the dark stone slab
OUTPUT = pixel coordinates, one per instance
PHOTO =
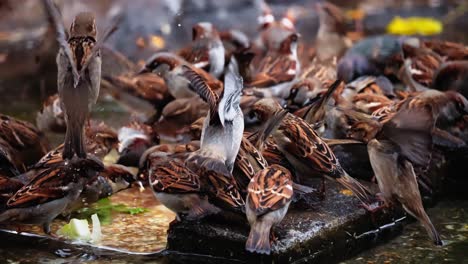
(331, 230)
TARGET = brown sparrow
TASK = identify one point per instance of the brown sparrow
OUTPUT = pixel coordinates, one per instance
(78, 95)
(173, 70)
(177, 116)
(269, 194)
(277, 71)
(52, 190)
(449, 50)
(452, 76)
(398, 183)
(177, 187)
(25, 143)
(142, 92)
(220, 140)
(305, 150)
(273, 32)
(8, 187)
(134, 139)
(404, 141)
(331, 40)
(100, 139)
(51, 116)
(396, 145)
(206, 50)
(181, 151)
(111, 180)
(248, 162)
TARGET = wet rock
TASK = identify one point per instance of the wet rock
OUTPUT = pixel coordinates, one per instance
(332, 230)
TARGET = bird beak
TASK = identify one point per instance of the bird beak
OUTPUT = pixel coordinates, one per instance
(143, 70)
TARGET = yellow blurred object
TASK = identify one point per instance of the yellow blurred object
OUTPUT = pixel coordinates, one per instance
(414, 25)
(158, 42)
(346, 192)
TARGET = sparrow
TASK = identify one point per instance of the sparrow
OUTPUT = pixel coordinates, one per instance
(303, 93)
(8, 160)
(111, 180)
(248, 162)
(134, 139)
(452, 76)
(398, 183)
(8, 187)
(173, 69)
(138, 93)
(220, 140)
(177, 116)
(305, 150)
(51, 117)
(224, 125)
(180, 151)
(55, 185)
(206, 50)
(100, 139)
(273, 32)
(78, 94)
(331, 40)
(177, 187)
(403, 142)
(234, 41)
(277, 71)
(419, 65)
(269, 194)
(23, 142)
(451, 51)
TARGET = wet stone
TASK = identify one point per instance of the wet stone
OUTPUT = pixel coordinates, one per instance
(331, 230)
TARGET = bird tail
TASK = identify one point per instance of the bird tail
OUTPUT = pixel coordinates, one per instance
(74, 141)
(359, 190)
(259, 239)
(420, 214)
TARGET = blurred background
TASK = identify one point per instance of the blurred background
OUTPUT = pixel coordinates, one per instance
(28, 48)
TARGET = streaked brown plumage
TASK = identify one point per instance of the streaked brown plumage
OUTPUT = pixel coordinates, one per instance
(306, 151)
(269, 194)
(54, 186)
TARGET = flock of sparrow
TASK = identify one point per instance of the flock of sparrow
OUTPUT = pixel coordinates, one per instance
(248, 144)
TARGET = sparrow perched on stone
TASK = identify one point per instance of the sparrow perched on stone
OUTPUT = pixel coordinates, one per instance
(206, 50)
(269, 194)
(173, 69)
(220, 140)
(305, 150)
(54, 185)
(78, 78)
